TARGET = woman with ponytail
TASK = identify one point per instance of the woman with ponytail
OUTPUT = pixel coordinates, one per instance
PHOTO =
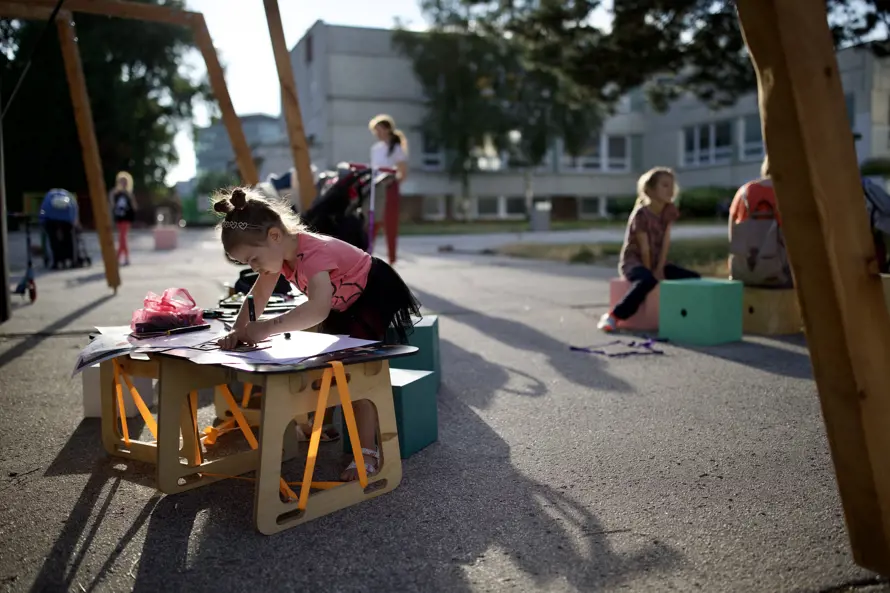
(390, 151)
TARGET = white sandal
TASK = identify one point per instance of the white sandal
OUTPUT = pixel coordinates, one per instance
(370, 468)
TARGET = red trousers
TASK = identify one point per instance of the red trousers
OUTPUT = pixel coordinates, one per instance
(391, 220)
(123, 229)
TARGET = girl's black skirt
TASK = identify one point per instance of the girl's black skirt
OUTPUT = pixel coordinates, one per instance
(386, 303)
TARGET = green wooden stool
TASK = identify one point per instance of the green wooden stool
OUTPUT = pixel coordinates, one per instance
(417, 416)
(702, 312)
(426, 338)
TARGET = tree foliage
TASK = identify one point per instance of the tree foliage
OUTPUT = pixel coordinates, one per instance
(667, 46)
(479, 89)
(139, 95)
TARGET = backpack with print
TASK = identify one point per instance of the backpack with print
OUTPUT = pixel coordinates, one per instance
(122, 209)
(756, 243)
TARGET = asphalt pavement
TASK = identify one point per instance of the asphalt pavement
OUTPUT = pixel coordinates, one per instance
(692, 469)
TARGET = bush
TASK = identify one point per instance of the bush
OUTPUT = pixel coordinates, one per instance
(621, 206)
(704, 202)
(876, 167)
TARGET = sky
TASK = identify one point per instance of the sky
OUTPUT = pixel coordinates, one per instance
(241, 38)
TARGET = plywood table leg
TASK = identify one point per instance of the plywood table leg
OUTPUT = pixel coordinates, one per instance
(179, 379)
(280, 405)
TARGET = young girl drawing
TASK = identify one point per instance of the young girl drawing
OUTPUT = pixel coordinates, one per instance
(123, 208)
(349, 292)
(646, 242)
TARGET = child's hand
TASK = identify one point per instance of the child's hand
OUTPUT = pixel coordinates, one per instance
(231, 340)
(659, 273)
(256, 331)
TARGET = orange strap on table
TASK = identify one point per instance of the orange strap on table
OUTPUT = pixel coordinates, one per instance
(336, 373)
(137, 399)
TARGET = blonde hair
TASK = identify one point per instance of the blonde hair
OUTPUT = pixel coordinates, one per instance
(398, 136)
(648, 180)
(764, 168)
(126, 177)
(248, 215)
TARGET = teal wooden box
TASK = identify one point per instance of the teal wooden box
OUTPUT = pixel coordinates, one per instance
(417, 415)
(702, 312)
(426, 338)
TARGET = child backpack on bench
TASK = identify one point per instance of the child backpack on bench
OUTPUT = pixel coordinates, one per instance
(756, 243)
(877, 206)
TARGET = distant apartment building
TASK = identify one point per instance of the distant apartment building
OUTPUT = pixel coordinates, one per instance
(265, 136)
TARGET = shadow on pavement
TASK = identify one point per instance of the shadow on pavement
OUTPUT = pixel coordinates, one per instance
(40, 335)
(461, 505)
(83, 454)
(584, 371)
(761, 355)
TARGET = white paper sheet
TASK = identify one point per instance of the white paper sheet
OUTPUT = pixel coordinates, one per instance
(104, 347)
(278, 350)
(115, 341)
(216, 330)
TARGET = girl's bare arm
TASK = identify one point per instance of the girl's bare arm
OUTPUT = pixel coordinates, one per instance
(262, 292)
(310, 313)
(645, 253)
(664, 249)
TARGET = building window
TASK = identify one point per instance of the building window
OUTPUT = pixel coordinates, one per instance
(432, 157)
(707, 144)
(494, 207)
(587, 160)
(546, 164)
(592, 207)
(514, 206)
(487, 207)
(604, 153)
(752, 138)
(617, 153)
(850, 101)
(433, 207)
(309, 49)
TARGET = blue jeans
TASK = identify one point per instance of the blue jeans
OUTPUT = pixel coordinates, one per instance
(642, 282)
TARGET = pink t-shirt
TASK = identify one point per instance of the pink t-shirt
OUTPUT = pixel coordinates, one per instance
(347, 265)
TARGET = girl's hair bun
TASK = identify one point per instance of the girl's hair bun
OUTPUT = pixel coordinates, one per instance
(238, 199)
(223, 206)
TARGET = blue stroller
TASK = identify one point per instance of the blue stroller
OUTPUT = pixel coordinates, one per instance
(59, 221)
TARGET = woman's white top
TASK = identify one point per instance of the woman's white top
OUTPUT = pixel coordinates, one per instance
(381, 157)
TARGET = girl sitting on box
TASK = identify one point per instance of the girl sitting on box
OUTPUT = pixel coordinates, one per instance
(647, 239)
(349, 291)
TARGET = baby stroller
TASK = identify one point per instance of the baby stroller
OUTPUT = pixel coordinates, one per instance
(342, 205)
(59, 220)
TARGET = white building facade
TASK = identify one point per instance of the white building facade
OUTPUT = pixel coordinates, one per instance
(347, 75)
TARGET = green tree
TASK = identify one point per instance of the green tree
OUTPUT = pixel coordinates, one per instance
(667, 46)
(139, 94)
(482, 98)
(211, 181)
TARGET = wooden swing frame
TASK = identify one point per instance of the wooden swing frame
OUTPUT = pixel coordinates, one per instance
(43, 9)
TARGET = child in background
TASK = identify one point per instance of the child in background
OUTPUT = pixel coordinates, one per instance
(646, 242)
(349, 291)
(123, 208)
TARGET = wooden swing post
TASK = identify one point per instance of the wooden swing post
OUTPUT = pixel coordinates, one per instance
(290, 106)
(42, 9)
(818, 187)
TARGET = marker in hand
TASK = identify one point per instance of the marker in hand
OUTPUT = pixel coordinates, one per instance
(251, 309)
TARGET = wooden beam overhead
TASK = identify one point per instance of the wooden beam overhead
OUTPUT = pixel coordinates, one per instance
(17, 10)
(290, 106)
(119, 9)
(243, 154)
